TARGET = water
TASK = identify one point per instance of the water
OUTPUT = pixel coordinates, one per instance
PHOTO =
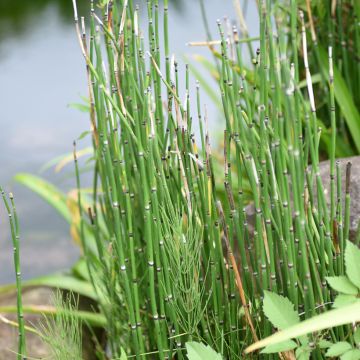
(41, 73)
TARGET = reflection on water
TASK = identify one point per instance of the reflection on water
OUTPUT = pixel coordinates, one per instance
(41, 72)
(18, 16)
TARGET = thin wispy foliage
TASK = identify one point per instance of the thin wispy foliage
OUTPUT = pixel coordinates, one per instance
(62, 332)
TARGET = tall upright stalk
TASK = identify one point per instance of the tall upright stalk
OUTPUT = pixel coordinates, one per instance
(15, 236)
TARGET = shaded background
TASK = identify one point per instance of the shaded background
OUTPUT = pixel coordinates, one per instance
(41, 72)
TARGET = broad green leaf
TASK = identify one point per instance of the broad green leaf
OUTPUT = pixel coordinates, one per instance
(199, 351)
(345, 315)
(342, 300)
(283, 346)
(357, 335)
(303, 353)
(324, 344)
(338, 349)
(352, 262)
(343, 98)
(353, 354)
(342, 285)
(279, 310)
(47, 191)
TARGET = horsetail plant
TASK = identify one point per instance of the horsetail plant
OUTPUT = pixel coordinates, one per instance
(173, 260)
(14, 228)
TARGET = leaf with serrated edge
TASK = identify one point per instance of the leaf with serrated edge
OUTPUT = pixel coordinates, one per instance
(352, 262)
(345, 315)
(342, 285)
(338, 349)
(279, 310)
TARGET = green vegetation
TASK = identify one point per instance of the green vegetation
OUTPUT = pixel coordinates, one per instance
(63, 332)
(168, 251)
(282, 315)
(337, 25)
(14, 228)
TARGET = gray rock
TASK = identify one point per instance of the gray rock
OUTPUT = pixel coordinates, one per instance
(354, 188)
(324, 168)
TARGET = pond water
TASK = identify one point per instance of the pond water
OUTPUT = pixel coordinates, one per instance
(41, 73)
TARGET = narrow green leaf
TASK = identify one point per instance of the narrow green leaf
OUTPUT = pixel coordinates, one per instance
(69, 158)
(51, 163)
(199, 351)
(80, 107)
(208, 65)
(83, 134)
(352, 262)
(280, 347)
(338, 349)
(316, 78)
(59, 281)
(279, 310)
(65, 282)
(342, 285)
(206, 86)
